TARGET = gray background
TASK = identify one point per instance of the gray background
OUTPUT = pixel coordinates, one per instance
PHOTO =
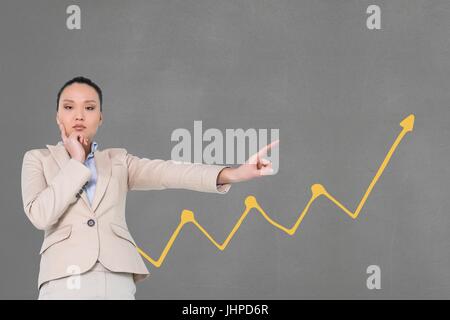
(336, 90)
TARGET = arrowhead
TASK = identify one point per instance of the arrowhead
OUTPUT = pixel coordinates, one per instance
(408, 123)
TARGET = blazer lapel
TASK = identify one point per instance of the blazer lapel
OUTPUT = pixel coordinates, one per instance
(102, 164)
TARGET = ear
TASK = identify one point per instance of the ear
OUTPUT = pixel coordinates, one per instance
(101, 119)
(57, 119)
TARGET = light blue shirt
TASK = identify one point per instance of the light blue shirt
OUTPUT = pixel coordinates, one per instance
(90, 163)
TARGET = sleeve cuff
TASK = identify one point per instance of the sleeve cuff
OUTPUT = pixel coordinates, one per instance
(79, 171)
(211, 180)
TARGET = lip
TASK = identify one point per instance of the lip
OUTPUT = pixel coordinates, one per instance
(79, 127)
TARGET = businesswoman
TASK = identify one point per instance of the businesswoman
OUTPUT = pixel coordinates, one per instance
(76, 193)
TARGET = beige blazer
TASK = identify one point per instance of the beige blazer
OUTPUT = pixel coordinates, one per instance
(78, 234)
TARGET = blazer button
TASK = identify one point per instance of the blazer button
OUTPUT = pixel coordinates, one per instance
(91, 223)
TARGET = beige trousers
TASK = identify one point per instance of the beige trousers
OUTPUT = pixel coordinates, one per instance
(98, 283)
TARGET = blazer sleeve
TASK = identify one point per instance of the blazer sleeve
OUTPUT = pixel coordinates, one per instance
(44, 204)
(157, 174)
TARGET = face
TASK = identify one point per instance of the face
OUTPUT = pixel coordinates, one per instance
(79, 104)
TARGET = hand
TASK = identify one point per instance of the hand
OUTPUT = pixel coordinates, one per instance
(255, 166)
(73, 143)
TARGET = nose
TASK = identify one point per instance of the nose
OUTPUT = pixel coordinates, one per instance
(79, 116)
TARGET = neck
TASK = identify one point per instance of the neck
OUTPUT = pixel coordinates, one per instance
(87, 149)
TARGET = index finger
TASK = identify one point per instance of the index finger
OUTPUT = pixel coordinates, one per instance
(261, 153)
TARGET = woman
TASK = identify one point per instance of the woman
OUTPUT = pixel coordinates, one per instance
(88, 252)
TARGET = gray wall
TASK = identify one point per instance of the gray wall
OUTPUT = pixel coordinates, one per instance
(335, 89)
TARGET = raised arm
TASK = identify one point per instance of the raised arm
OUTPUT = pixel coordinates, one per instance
(44, 204)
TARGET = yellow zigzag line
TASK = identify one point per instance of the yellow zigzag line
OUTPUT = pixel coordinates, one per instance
(250, 203)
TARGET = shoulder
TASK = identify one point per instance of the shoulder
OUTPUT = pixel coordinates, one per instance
(116, 153)
(35, 157)
(37, 153)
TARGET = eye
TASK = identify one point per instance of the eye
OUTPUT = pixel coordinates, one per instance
(91, 108)
(65, 107)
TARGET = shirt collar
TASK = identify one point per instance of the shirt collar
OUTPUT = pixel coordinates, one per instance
(94, 147)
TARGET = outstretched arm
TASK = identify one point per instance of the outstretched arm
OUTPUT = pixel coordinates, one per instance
(157, 174)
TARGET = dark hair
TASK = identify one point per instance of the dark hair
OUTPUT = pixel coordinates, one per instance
(84, 80)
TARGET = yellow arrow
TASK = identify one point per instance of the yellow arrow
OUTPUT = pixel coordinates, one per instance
(317, 190)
